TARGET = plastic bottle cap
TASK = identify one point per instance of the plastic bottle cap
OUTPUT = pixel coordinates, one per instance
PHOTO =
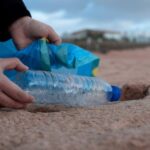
(116, 94)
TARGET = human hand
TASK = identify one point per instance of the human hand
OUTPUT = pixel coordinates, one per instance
(10, 94)
(25, 30)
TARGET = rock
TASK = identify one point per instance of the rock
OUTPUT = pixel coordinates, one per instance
(134, 91)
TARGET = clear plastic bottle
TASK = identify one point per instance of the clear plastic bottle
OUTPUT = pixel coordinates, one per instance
(68, 90)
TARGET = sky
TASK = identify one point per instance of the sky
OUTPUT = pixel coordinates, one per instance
(66, 16)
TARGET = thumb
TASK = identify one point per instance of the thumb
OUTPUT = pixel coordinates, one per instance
(12, 63)
(53, 37)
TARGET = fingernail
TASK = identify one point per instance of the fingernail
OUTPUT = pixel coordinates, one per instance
(26, 67)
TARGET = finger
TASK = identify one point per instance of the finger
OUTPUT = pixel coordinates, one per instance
(14, 91)
(12, 63)
(6, 101)
(53, 37)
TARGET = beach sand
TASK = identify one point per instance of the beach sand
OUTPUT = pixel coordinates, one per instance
(125, 125)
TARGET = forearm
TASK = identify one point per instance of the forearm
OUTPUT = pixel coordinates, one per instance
(10, 11)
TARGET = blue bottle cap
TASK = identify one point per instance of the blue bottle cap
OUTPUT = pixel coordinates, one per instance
(116, 94)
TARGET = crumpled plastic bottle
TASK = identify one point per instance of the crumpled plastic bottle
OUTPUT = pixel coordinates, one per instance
(67, 90)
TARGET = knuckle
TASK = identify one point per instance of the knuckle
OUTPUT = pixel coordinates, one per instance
(48, 27)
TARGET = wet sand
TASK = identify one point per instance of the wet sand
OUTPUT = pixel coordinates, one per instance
(125, 125)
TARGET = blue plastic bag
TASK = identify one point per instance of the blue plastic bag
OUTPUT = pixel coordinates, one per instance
(65, 58)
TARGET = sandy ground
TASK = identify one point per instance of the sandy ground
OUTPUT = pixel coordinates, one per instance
(125, 125)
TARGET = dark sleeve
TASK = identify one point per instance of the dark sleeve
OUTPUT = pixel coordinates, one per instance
(10, 11)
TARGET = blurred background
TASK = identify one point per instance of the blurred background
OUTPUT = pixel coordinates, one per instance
(98, 25)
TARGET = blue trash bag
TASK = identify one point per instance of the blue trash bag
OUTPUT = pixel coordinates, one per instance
(65, 58)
